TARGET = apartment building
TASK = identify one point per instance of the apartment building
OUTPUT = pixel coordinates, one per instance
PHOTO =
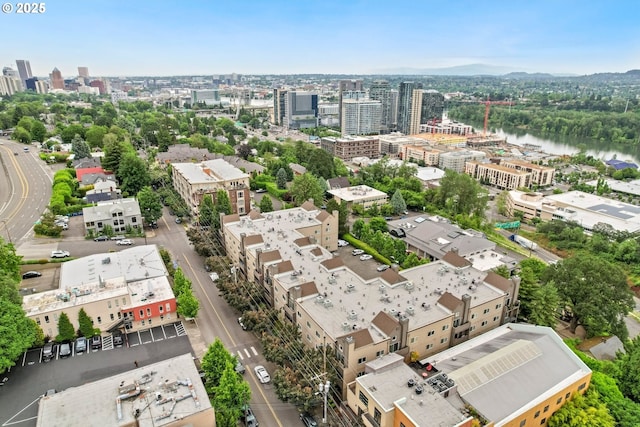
(362, 195)
(424, 154)
(391, 144)
(10, 85)
(128, 288)
(484, 377)
(424, 310)
(541, 176)
(499, 176)
(348, 147)
(194, 180)
(300, 110)
(117, 214)
(360, 117)
(456, 160)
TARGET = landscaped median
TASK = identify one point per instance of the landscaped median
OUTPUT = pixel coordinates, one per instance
(368, 249)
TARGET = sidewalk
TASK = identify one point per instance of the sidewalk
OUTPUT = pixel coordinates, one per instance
(195, 337)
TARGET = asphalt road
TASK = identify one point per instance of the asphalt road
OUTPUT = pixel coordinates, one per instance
(217, 319)
(25, 190)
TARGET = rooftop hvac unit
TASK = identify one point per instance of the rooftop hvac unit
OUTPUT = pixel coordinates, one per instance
(382, 288)
(410, 310)
(328, 303)
(393, 311)
(346, 326)
(319, 299)
(408, 286)
(352, 315)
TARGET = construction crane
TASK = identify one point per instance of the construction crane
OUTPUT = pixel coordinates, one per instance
(488, 104)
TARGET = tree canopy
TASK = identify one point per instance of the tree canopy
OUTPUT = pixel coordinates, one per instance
(150, 204)
(305, 187)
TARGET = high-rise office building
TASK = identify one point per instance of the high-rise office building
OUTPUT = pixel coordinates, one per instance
(10, 72)
(405, 101)
(393, 100)
(279, 96)
(300, 110)
(415, 114)
(432, 106)
(24, 69)
(360, 117)
(347, 86)
(83, 72)
(57, 82)
(380, 91)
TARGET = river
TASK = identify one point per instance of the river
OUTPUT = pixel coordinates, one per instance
(559, 144)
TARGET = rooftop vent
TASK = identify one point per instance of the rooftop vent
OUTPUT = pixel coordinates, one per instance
(352, 315)
(328, 303)
(410, 310)
(408, 286)
(382, 288)
(106, 260)
(319, 299)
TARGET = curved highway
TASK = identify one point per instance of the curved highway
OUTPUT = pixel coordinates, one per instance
(25, 190)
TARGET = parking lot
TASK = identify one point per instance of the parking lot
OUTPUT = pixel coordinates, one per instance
(132, 339)
(366, 269)
(28, 381)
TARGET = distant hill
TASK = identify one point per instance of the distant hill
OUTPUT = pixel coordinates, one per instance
(460, 70)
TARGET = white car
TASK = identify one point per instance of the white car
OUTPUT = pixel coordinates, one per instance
(60, 254)
(365, 257)
(262, 374)
(383, 267)
(127, 242)
(357, 252)
(342, 243)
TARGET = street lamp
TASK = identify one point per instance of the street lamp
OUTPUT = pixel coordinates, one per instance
(4, 221)
(324, 389)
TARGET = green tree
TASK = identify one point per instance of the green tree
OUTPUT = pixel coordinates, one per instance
(9, 261)
(266, 205)
(71, 131)
(223, 204)
(95, 135)
(230, 396)
(628, 363)
(378, 223)
(501, 202)
(460, 194)
(133, 174)
(582, 411)
(214, 363)
(503, 271)
(17, 333)
(38, 131)
(114, 150)
(343, 214)
(207, 210)
(150, 204)
(85, 323)
(65, 328)
(281, 178)
(22, 135)
(80, 148)
(397, 203)
(595, 291)
(305, 187)
(188, 304)
(321, 164)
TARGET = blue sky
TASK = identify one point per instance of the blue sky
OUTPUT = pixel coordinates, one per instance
(141, 37)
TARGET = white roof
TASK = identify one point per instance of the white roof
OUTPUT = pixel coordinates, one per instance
(358, 192)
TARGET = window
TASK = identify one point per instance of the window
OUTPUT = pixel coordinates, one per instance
(141, 313)
(124, 301)
(377, 415)
(379, 353)
(134, 219)
(119, 315)
(160, 308)
(364, 399)
(537, 414)
(168, 307)
(308, 324)
(109, 304)
(431, 333)
(484, 323)
(38, 320)
(317, 334)
(99, 224)
(444, 340)
(471, 329)
(46, 319)
(486, 310)
(445, 327)
(112, 317)
(362, 360)
(117, 303)
(240, 194)
(543, 421)
(566, 396)
(473, 316)
(142, 323)
(99, 319)
(413, 339)
(523, 422)
(429, 346)
(582, 386)
(148, 312)
(546, 409)
(498, 306)
(495, 319)
(559, 400)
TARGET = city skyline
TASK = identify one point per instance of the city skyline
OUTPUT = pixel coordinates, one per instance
(329, 37)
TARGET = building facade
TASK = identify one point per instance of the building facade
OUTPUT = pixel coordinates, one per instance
(194, 180)
(432, 107)
(57, 82)
(456, 160)
(405, 105)
(362, 195)
(360, 117)
(348, 147)
(542, 176)
(10, 85)
(381, 91)
(422, 154)
(24, 70)
(498, 176)
(117, 214)
(300, 110)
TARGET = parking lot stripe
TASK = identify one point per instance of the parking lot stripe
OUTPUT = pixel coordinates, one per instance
(240, 355)
(255, 353)
(247, 351)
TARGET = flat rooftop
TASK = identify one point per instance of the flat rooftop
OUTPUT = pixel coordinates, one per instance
(490, 370)
(160, 394)
(134, 263)
(220, 170)
(627, 187)
(357, 192)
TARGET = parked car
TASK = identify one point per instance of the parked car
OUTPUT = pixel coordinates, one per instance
(247, 417)
(96, 342)
(60, 254)
(398, 232)
(101, 239)
(214, 276)
(125, 242)
(241, 323)
(62, 225)
(48, 351)
(120, 237)
(261, 190)
(308, 420)
(81, 345)
(240, 368)
(65, 350)
(50, 392)
(357, 252)
(342, 243)
(31, 274)
(62, 218)
(178, 220)
(365, 257)
(383, 267)
(118, 339)
(262, 374)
